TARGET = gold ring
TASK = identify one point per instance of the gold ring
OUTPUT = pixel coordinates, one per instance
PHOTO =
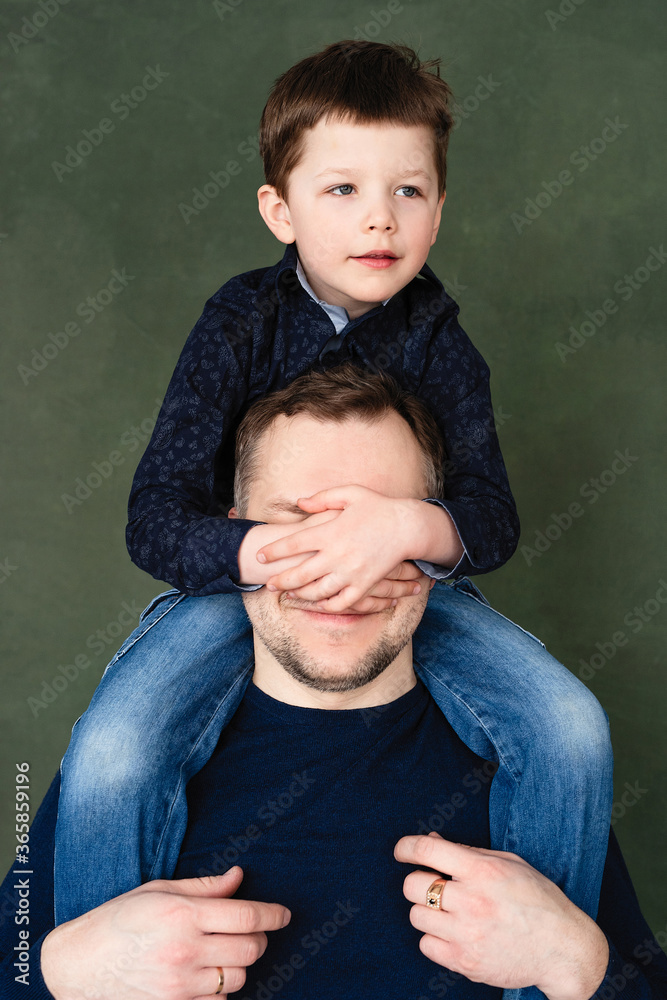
(435, 891)
(221, 981)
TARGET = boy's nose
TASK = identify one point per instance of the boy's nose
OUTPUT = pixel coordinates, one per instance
(380, 217)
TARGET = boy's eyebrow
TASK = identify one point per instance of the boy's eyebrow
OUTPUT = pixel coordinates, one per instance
(281, 505)
(351, 172)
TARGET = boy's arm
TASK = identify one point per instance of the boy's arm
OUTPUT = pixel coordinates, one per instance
(478, 499)
(169, 532)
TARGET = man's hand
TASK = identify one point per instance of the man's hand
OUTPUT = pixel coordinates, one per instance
(348, 557)
(163, 939)
(501, 922)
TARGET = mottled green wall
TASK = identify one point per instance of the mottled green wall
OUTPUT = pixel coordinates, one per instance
(568, 401)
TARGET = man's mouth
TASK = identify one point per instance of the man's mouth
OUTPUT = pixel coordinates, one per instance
(326, 616)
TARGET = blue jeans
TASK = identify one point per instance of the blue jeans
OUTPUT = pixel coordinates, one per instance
(175, 683)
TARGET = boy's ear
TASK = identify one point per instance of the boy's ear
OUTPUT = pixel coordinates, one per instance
(438, 215)
(275, 213)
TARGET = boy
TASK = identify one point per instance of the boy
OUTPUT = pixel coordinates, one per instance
(354, 143)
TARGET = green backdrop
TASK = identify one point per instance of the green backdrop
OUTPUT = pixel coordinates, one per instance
(551, 243)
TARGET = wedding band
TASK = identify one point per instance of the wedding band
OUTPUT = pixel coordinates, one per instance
(221, 981)
(435, 891)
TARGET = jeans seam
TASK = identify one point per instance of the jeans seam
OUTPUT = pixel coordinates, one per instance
(482, 726)
(485, 604)
(126, 648)
(195, 745)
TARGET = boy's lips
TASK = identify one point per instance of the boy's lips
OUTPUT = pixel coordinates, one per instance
(377, 258)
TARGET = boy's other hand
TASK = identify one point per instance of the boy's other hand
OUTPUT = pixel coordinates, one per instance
(250, 570)
(347, 559)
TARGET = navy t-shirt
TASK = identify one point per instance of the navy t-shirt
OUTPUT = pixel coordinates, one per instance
(310, 803)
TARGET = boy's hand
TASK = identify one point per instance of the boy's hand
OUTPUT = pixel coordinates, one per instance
(351, 555)
(400, 582)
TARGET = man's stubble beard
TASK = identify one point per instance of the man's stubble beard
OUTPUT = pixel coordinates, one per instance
(303, 667)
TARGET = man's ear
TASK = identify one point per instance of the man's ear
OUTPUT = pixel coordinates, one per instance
(232, 512)
(431, 585)
(438, 215)
(275, 212)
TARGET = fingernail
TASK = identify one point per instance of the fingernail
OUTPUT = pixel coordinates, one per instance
(394, 603)
(290, 593)
(261, 557)
(286, 918)
(416, 589)
(270, 586)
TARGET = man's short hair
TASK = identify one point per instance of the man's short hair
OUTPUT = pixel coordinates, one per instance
(359, 81)
(336, 395)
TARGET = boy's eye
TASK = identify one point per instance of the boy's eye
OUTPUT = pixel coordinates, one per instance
(410, 191)
(342, 189)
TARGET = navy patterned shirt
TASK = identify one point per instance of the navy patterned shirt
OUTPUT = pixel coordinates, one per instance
(258, 333)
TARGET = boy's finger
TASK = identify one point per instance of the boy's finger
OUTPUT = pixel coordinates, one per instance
(371, 605)
(395, 588)
(406, 571)
(333, 499)
(298, 576)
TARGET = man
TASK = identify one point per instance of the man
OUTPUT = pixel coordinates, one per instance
(333, 757)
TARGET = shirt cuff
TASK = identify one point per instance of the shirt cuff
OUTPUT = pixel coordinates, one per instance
(623, 980)
(435, 570)
(234, 577)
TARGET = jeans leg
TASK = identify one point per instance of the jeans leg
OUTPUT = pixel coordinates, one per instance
(510, 700)
(152, 723)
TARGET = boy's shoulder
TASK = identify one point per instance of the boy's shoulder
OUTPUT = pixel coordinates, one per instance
(259, 288)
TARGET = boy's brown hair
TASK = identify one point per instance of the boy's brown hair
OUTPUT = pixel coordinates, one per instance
(359, 80)
(336, 395)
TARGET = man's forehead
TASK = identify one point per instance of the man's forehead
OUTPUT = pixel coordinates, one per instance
(302, 454)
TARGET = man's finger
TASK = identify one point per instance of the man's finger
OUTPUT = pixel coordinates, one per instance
(457, 860)
(207, 885)
(238, 916)
(417, 884)
(231, 949)
(207, 981)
